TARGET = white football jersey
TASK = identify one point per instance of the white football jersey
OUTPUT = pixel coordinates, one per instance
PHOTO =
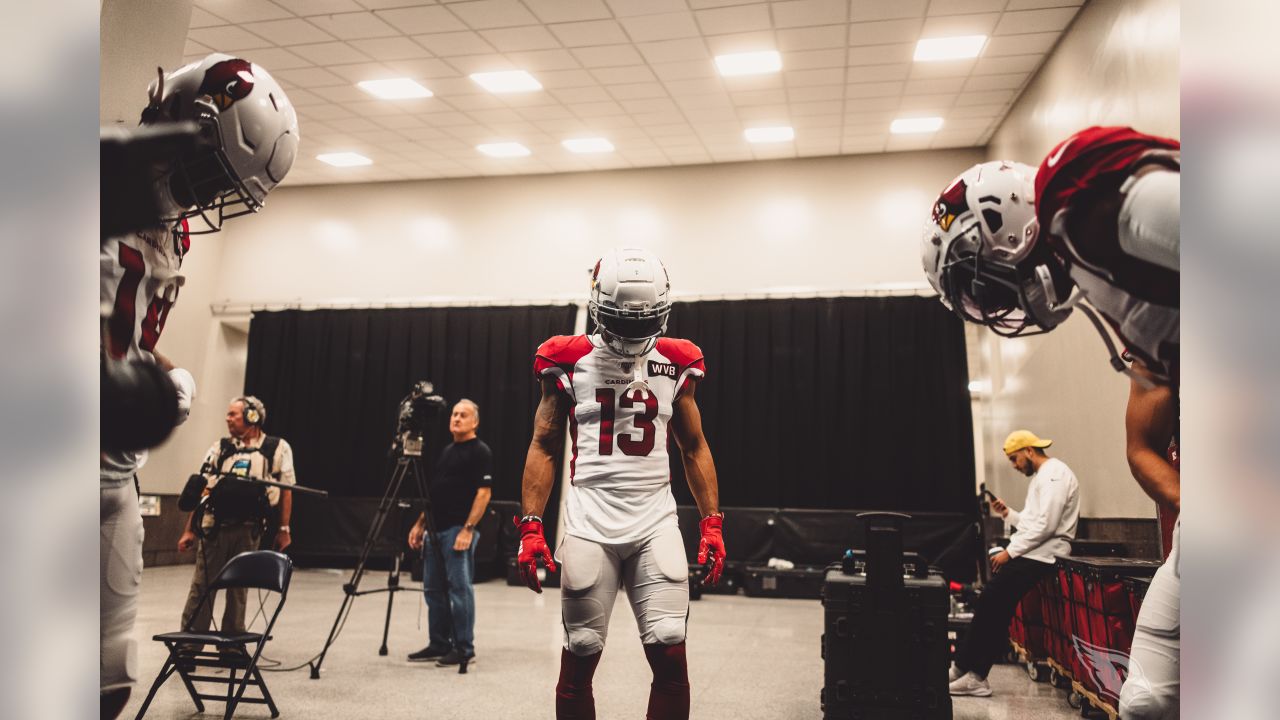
(620, 477)
(138, 285)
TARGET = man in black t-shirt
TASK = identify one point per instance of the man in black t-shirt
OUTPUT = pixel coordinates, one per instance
(460, 489)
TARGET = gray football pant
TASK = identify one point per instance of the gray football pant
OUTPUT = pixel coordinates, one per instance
(119, 578)
(654, 573)
(1153, 688)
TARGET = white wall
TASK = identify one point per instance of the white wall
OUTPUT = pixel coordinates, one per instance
(1117, 64)
(826, 224)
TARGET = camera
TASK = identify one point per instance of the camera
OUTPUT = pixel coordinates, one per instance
(417, 409)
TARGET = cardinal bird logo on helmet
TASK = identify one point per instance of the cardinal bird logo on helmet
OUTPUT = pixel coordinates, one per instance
(951, 204)
(228, 81)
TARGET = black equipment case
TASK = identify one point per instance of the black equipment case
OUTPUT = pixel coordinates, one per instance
(798, 582)
(884, 645)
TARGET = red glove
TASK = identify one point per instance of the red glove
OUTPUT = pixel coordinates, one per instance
(533, 545)
(711, 547)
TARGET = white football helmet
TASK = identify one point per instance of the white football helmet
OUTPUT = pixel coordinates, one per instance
(630, 300)
(250, 134)
(979, 252)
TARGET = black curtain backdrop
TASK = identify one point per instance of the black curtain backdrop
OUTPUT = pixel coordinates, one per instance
(333, 379)
(833, 403)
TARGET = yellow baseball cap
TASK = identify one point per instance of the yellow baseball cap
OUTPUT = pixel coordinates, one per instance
(1019, 439)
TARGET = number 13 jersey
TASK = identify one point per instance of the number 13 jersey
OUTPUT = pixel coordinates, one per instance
(620, 476)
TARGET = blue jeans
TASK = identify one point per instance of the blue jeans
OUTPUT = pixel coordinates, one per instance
(451, 613)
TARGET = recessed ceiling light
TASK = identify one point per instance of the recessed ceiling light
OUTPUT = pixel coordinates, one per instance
(915, 125)
(344, 159)
(588, 145)
(770, 134)
(503, 149)
(949, 48)
(749, 63)
(394, 89)
(506, 81)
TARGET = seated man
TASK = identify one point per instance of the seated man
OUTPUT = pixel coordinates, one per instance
(1045, 528)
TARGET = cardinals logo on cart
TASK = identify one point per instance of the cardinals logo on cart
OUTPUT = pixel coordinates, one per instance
(1108, 667)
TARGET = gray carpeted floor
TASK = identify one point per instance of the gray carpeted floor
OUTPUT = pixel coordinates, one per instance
(748, 659)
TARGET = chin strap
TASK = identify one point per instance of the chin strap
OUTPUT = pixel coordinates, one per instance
(1117, 361)
(638, 383)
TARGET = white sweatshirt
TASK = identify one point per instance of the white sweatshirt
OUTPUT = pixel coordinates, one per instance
(1047, 524)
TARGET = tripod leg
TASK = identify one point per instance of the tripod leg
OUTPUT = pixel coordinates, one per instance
(393, 584)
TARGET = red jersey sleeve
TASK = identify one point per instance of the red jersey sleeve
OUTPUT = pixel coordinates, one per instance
(687, 357)
(557, 357)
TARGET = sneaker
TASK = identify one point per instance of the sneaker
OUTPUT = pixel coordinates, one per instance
(954, 673)
(454, 657)
(428, 653)
(970, 684)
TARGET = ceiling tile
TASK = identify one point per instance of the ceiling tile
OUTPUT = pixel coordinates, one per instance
(194, 48)
(565, 78)
(391, 48)
(817, 92)
(885, 31)
(867, 10)
(293, 31)
(996, 82)
(538, 61)
(1032, 21)
(488, 62)
(695, 86)
(532, 37)
(243, 11)
(353, 26)
(1037, 4)
(689, 70)
(965, 7)
(989, 97)
(454, 43)
(485, 14)
(556, 11)
(947, 25)
(310, 77)
(813, 59)
(1030, 44)
(903, 143)
(228, 38)
(330, 53)
(637, 91)
(429, 68)
(759, 97)
(806, 78)
(814, 38)
(622, 75)
(587, 34)
(419, 20)
(868, 90)
(817, 107)
(931, 85)
(930, 104)
(881, 54)
(358, 72)
(947, 69)
(987, 111)
(667, 26)
(879, 73)
(649, 105)
(596, 109)
(675, 50)
(201, 18)
(1007, 64)
(607, 56)
(570, 96)
(384, 4)
(737, 19)
(304, 8)
(806, 13)
(742, 42)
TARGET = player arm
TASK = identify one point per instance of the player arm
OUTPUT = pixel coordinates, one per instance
(548, 438)
(1149, 423)
(695, 453)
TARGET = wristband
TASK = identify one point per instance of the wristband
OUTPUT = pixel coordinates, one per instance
(529, 518)
(283, 528)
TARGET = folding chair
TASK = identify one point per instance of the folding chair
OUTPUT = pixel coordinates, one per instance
(259, 569)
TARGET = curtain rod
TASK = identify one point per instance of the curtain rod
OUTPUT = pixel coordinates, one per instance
(231, 308)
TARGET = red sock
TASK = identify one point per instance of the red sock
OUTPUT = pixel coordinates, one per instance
(669, 693)
(574, 700)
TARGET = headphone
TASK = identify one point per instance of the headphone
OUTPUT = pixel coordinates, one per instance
(255, 413)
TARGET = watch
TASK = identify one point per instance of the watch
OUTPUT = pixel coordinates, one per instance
(469, 527)
(283, 528)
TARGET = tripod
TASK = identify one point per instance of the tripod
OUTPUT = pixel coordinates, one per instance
(409, 462)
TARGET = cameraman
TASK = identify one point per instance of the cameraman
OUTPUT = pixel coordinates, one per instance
(232, 517)
(460, 490)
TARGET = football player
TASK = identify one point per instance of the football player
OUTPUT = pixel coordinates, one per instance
(249, 134)
(619, 392)
(1017, 249)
